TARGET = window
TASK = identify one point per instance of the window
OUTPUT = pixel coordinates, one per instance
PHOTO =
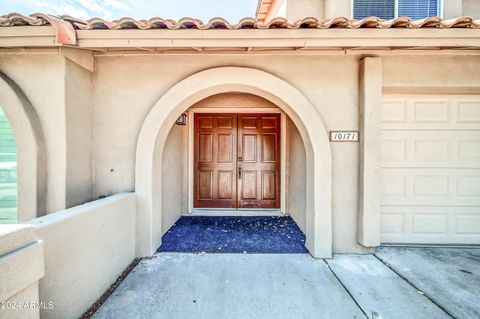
(389, 9)
(8, 172)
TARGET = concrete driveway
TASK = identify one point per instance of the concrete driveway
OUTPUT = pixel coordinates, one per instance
(394, 283)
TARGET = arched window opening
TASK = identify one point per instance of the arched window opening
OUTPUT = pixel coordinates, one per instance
(8, 172)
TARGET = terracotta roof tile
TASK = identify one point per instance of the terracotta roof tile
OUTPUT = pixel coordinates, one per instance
(64, 30)
(15, 19)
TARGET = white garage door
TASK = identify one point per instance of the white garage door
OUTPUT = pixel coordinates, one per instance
(430, 169)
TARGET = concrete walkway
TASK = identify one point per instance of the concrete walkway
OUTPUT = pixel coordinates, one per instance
(448, 276)
(176, 285)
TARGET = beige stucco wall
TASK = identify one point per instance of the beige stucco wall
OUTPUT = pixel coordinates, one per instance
(173, 177)
(78, 117)
(296, 176)
(471, 8)
(31, 166)
(234, 100)
(430, 72)
(86, 248)
(60, 93)
(331, 83)
(22, 265)
(42, 80)
(298, 9)
(121, 106)
(338, 8)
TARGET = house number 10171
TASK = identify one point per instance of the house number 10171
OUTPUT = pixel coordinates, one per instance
(344, 136)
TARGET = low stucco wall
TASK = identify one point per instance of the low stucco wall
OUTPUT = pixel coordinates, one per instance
(21, 266)
(86, 248)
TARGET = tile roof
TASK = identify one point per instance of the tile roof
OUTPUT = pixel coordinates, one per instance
(15, 19)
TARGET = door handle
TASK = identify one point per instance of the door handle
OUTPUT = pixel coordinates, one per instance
(239, 173)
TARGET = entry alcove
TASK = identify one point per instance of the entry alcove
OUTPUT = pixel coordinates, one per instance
(178, 162)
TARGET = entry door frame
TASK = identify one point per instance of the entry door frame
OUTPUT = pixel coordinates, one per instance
(190, 151)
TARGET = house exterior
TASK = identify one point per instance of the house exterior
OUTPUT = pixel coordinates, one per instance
(100, 100)
(104, 96)
(96, 106)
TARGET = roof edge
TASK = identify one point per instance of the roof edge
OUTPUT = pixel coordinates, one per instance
(64, 31)
(65, 26)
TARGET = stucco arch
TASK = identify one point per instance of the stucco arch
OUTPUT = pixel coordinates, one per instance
(31, 169)
(148, 178)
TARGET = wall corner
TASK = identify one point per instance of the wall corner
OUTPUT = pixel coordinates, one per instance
(452, 9)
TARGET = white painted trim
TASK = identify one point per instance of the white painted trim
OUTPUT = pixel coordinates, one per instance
(238, 212)
(283, 163)
(283, 153)
(268, 39)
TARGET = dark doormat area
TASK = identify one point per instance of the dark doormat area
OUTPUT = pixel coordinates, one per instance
(234, 234)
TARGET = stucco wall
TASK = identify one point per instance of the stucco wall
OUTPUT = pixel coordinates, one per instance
(78, 114)
(41, 77)
(121, 106)
(471, 8)
(296, 176)
(61, 93)
(30, 176)
(234, 100)
(320, 9)
(430, 71)
(86, 248)
(173, 193)
(299, 9)
(21, 264)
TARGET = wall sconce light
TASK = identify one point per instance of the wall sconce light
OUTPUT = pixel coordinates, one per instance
(182, 119)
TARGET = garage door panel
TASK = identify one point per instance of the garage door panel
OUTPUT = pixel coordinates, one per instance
(413, 186)
(431, 224)
(430, 112)
(467, 224)
(415, 148)
(467, 110)
(430, 158)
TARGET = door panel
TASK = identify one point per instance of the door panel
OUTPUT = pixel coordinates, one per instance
(249, 148)
(215, 160)
(237, 161)
(259, 160)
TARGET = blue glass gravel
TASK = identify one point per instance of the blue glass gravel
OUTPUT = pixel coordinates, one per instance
(233, 234)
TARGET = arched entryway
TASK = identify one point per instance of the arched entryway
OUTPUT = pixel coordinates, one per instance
(206, 83)
(31, 169)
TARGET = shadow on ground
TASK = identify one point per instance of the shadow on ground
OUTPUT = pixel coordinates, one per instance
(234, 234)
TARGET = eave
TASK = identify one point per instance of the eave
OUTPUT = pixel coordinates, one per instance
(28, 36)
(190, 36)
(261, 39)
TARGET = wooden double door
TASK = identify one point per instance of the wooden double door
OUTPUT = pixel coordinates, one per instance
(237, 160)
